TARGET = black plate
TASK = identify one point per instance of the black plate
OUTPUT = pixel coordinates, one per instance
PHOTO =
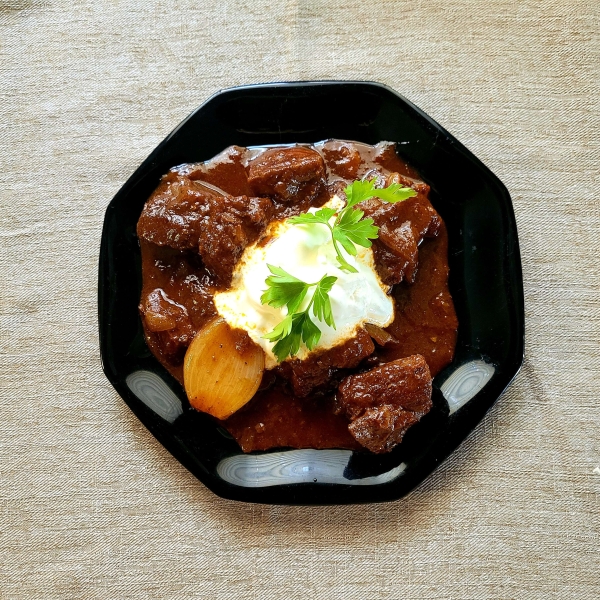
(485, 281)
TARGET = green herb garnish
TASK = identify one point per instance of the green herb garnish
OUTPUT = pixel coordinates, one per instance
(349, 227)
(348, 230)
(286, 290)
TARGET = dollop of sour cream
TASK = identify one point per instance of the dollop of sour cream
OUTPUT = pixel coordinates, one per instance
(307, 253)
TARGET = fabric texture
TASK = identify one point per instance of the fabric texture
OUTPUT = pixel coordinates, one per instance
(91, 505)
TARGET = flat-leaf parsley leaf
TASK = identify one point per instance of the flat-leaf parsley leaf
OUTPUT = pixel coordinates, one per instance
(286, 290)
(350, 229)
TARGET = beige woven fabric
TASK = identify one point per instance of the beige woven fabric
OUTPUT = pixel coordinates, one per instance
(91, 506)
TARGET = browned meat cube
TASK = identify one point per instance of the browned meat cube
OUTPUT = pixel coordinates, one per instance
(287, 174)
(381, 429)
(175, 213)
(235, 222)
(178, 214)
(226, 171)
(342, 159)
(384, 402)
(169, 321)
(396, 253)
(321, 367)
(402, 227)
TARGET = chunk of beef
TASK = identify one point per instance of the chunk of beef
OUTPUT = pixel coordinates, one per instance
(235, 222)
(382, 428)
(405, 383)
(176, 212)
(396, 253)
(384, 402)
(402, 227)
(169, 321)
(325, 367)
(226, 171)
(289, 175)
(342, 159)
(185, 214)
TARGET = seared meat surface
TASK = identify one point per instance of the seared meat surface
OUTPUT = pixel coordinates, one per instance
(402, 227)
(185, 214)
(385, 401)
(322, 368)
(289, 175)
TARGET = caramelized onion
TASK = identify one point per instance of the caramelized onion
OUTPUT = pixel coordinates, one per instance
(381, 336)
(156, 321)
(222, 369)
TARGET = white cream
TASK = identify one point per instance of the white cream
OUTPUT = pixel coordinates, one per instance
(306, 252)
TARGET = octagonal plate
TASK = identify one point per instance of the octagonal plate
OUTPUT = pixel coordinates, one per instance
(485, 282)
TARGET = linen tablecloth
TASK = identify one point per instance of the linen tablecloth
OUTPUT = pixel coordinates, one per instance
(91, 505)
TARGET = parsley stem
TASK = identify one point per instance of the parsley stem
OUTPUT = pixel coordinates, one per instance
(313, 296)
(345, 265)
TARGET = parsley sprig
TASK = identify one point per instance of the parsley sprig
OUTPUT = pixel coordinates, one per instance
(349, 228)
(286, 290)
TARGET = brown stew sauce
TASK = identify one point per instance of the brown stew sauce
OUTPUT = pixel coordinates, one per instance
(177, 278)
